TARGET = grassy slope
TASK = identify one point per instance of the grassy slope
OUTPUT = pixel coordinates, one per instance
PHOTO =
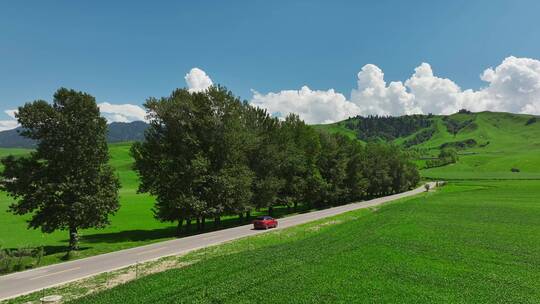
(337, 128)
(475, 242)
(512, 144)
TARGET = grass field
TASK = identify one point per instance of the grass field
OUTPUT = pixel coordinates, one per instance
(504, 141)
(133, 225)
(474, 242)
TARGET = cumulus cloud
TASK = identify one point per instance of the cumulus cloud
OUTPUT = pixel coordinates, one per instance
(312, 105)
(512, 86)
(112, 112)
(373, 96)
(11, 113)
(11, 123)
(121, 112)
(197, 80)
(8, 124)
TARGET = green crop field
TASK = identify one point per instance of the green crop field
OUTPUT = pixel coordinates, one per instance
(475, 242)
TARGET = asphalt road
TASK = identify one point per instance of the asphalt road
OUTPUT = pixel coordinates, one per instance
(25, 282)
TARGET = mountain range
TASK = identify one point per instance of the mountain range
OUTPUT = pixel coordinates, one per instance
(117, 132)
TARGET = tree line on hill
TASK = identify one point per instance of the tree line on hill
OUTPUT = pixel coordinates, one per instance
(375, 127)
(204, 155)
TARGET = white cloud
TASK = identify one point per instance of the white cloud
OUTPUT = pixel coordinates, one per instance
(8, 124)
(373, 96)
(11, 123)
(197, 80)
(313, 106)
(121, 112)
(11, 113)
(512, 86)
(112, 112)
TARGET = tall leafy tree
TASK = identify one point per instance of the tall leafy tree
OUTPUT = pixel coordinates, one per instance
(171, 162)
(66, 183)
(266, 157)
(193, 158)
(228, 143)
(303, 181)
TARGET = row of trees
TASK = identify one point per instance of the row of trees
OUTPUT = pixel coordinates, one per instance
(446, 156)
(209, 154)
(204, 155)
(375, 127)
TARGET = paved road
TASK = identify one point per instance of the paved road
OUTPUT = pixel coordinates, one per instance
(24, 282)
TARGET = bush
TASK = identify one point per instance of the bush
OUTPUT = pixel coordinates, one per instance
(515, 170)
(446, 156)
(20, 258)
(419, 138)
(463, 144)
(530, 121)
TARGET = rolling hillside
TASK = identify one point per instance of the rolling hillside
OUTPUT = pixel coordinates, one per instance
(489, 144)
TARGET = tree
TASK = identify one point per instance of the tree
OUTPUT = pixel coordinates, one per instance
(266, 158)
(66, 183)
(171, 162)
(450, 154)
(301, 147)
(193, 158)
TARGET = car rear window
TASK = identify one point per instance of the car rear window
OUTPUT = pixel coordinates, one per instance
(262, 218)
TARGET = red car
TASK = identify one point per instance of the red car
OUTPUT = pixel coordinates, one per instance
(264, 222)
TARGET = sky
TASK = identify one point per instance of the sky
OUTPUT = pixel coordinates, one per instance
(325, 60)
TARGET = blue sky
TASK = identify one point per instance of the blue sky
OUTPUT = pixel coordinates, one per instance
(125, 51)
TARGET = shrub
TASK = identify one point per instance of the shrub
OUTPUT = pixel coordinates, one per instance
(463, 144)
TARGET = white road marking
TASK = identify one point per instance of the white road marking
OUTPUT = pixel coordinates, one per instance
(54, 273)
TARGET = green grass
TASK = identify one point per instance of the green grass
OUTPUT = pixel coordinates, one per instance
(504, 142)
(133, 225)
(474, 242)
(337, 128)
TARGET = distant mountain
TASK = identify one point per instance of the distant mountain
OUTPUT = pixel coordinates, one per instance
(118, 132)
(122, 131)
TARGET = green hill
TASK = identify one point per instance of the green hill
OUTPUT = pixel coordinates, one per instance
(489, 144)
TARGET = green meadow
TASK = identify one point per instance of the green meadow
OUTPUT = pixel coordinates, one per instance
(469, 242)
(503, 141)
(133, 224)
